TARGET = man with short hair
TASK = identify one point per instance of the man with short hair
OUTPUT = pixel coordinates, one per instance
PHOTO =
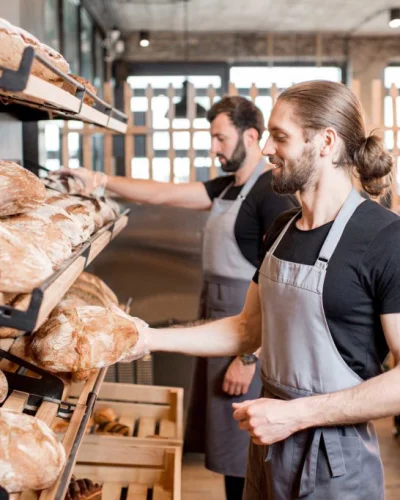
(324, 306)
(242, 208)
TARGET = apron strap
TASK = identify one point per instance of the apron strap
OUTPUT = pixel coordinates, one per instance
(283, 232)
(334, 454)
(248, 184)
(350, 205)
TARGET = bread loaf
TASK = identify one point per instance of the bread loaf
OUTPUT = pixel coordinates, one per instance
(69, 87)
(45, 235)
(83, 489)
(20, 190)
(14, 40)
(76, 209)
(3, 387)
(63, 221)
(104, 415)
(64, 183)
(84, 338)
(87, 290)
(23, 265)
(30, 455)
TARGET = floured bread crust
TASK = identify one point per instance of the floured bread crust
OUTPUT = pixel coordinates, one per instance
(31, 457)
(83, 338)
(20, 190)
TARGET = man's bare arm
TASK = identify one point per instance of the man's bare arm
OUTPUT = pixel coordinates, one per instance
(224, 337)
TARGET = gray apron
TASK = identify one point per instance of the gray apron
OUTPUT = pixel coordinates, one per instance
(226, 277)
(299, 359)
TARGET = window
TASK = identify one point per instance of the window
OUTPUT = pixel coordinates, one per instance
(98, 80)
(51, 28)
(86, 45)
(71, 34)
(166, 153)
(392, 76)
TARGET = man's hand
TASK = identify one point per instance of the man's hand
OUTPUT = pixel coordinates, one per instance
(91, 180)
(267, 420)
(238, 377)
(141, 347)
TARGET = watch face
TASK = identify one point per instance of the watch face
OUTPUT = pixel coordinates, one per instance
(248, 359)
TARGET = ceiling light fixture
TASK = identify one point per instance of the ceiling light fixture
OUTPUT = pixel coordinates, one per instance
(144, 39)
(114, 34)
(394, 18)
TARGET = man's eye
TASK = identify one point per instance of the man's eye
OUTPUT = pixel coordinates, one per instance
(280, 138)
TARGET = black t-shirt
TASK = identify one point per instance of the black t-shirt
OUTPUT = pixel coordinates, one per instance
(362, 280)
(257, 213)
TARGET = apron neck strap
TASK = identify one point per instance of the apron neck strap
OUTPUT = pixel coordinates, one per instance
(248, 184)
(283, 232)
(349, 207)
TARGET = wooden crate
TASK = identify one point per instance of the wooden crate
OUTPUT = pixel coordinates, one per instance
(152, 413)
(145, 472)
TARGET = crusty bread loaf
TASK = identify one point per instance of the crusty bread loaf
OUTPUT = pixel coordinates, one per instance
(83, 489)
(30, 455)
(45, 235)
(88, 290)
(20, 190)
(104, 415)
(106, 212)
(63, 221)
(83, 375)
(3, 387)
(113, 205)
(84, 338)
(23, 265)
(69, 87)
(64, 183)
(73, 205)
(14, 40)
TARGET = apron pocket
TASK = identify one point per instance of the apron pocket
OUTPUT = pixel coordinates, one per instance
(326, 467)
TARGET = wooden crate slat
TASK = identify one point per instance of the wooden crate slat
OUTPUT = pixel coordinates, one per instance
(137, 492)
(101, 474)
(147, 427)
(127, 409)
(47, 412)
(167, 428)
(113, 450)
(16, 401)
(160, 494)
(111, 491)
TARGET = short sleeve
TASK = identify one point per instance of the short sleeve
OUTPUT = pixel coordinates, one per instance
(380, 269)
(214, 187)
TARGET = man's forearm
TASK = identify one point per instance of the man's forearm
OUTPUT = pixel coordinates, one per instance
(376, 398)
(224, 337)
(139, 190)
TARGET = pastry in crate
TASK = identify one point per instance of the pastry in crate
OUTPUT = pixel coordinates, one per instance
(83, 489)
(107, 423)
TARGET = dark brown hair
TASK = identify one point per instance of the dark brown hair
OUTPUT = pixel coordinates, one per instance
(322, 104)
(241, 112)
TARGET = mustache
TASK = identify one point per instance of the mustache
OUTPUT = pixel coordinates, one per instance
(276, 161)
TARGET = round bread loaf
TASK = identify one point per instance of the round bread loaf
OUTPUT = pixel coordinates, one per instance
(73, 205)
(23, 265)
(20, 190)
(83, 338)
(31, 457)
(45, 235)
(63, 221)
(3, 387)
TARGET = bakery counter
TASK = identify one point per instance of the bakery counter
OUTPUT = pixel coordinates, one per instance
(31, 310)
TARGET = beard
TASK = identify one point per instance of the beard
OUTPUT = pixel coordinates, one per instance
(296, 174)
(233, 164)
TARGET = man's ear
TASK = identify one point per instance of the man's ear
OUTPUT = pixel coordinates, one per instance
(250, 136)
(330, 140)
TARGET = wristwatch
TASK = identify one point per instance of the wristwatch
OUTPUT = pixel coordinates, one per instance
(248, 359)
